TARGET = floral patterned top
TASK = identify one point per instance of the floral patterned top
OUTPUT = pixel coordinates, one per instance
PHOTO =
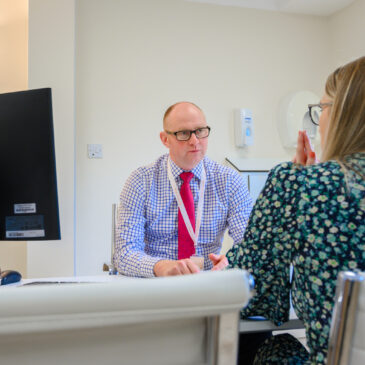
(313, 218)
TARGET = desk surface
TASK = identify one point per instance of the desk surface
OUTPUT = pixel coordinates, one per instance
(248, 326)
(245, 326)
(70, 279)
(251, 325)
(252, 164)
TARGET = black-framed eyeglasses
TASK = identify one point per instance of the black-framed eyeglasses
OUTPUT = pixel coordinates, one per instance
(315, 111)
(185, 135)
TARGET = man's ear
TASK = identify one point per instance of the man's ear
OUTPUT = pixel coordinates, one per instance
(164, 139)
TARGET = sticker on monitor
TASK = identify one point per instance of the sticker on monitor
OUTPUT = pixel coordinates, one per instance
(25, 208)
(31, 226)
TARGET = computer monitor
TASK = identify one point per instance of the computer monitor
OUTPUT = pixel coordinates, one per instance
(28, 183)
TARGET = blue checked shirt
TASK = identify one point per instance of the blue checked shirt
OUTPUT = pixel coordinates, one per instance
(148, 215)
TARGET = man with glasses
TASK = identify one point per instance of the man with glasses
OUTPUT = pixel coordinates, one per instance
(174, 212)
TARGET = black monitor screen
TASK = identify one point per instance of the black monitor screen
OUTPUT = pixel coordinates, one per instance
(28, 187)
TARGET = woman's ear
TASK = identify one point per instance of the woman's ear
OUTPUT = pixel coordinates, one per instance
(164, 139)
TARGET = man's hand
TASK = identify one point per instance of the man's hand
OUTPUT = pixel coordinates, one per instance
(219, 261)
(304, 153)
(172, 267)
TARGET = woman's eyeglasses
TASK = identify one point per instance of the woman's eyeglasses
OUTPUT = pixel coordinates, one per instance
(315, 111)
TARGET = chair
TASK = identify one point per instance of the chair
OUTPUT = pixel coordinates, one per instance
(109, 266)
(347, 334)
(189, 319)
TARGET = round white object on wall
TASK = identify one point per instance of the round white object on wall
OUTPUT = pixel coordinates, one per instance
(293, 116)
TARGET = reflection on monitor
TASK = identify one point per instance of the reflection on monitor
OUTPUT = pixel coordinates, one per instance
(28, 188)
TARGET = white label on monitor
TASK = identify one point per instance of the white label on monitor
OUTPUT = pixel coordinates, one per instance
(25, 234)
(24, 226)
(25, 208)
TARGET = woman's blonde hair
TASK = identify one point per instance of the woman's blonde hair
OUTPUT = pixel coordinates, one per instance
(346, 130)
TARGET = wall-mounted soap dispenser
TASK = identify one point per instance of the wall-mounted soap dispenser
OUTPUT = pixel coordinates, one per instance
(243, 127)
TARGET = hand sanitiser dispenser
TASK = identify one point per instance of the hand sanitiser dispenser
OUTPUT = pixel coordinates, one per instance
(243, 127)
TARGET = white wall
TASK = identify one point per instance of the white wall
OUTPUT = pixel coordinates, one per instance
(51, 64)
(348, 34)
(135, 58)
(13, 77)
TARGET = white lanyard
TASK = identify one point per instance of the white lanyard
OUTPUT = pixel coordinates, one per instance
(180, 203)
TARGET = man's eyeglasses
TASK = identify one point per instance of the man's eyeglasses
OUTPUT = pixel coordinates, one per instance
(185, 135)
(315, 111)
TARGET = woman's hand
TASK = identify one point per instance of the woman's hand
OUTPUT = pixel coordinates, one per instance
(304, 155)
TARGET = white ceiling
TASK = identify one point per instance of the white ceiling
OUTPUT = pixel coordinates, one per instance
(313, 7)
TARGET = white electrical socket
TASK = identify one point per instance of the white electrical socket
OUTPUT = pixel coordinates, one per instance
(95, 151)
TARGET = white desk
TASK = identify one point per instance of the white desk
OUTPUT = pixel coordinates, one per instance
(245, 326)
(254, 172)
(105, 278)
(125, 320)
(250, 326)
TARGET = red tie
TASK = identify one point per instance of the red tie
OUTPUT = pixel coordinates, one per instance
(186, 244)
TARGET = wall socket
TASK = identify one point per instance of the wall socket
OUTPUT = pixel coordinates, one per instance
(94, 151)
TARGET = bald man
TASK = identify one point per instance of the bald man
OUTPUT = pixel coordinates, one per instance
(150, 238)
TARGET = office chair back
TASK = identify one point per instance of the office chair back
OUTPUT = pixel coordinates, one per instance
(347, 344)
(109, 266)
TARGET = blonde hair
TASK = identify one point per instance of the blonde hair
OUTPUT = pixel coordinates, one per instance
(346, 131)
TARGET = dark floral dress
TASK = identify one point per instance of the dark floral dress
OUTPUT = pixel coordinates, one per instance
(313, 218)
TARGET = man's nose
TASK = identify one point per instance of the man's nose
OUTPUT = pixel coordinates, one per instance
(193, 139)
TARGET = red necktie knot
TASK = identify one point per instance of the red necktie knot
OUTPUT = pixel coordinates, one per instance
(186, 177)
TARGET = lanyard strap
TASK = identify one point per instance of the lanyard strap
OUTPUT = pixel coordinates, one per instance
(194, 235)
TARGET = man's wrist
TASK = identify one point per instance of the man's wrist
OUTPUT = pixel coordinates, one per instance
(158, 267)
(146, 266)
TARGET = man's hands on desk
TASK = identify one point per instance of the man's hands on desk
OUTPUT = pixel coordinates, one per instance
(187, 266)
